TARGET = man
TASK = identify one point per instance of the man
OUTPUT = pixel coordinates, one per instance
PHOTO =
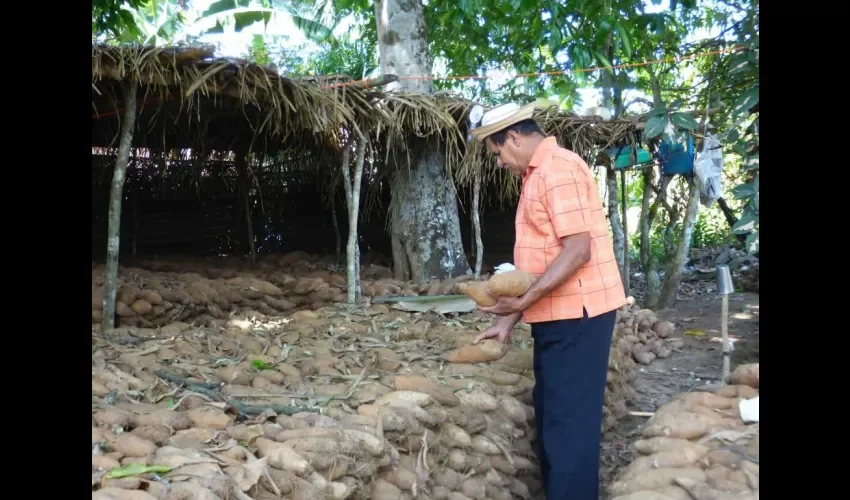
(562, 238)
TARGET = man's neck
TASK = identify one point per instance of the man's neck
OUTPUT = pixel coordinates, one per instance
(533, 143)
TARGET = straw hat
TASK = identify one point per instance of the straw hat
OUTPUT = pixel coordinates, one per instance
(500, 117)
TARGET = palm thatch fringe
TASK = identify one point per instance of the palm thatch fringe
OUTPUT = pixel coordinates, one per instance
(296, 113)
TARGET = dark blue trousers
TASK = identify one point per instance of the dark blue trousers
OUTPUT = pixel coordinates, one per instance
(570, 371)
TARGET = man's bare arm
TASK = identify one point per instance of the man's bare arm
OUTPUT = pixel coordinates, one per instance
(575, 252)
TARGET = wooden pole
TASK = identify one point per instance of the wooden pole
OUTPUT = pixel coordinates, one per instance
(625, 208)
(115, 194)
(352, 198)
(336, 227)
(724, 335)
(244, 196)
(476, 220)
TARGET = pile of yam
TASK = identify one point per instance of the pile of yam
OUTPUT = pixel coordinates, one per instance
(159, 293)
(697, 447)
(650, 337)
(374, 403)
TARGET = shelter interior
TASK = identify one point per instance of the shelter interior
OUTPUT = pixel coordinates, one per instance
(182, 193)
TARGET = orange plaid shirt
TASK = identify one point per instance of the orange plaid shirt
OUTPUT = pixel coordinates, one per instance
(560, 198)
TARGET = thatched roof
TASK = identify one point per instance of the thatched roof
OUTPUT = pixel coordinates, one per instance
(190, 99)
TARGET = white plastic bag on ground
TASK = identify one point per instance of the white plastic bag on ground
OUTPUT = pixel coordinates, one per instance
(749, 409)
(708, 166)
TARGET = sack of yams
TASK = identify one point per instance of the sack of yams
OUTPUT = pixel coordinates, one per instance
(697, 447)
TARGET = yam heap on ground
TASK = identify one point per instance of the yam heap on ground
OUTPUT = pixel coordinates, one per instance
(697, 447)
(341, 401)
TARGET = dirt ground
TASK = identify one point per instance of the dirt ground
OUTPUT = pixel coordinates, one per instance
(698, 363)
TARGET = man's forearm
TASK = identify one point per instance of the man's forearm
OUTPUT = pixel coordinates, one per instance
(509, 321)
(575, 252)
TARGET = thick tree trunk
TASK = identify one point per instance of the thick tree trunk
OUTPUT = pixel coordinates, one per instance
(115, 194)
(352, 198)
(426, 222)
(425, 226)
(245, 200)
(675, 266)
(476, 220)
(618, 237)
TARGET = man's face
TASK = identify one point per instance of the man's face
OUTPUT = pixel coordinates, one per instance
(506, 154)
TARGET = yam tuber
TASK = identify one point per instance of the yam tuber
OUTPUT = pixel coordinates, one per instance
(509, 284)
(485, 351)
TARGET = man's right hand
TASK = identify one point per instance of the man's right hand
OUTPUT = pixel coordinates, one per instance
(500, 332)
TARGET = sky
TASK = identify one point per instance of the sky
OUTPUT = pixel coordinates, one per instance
(236, 44)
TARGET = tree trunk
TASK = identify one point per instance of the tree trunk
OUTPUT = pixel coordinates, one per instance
(115, 194)
(618, 237)
(476, 220)
(648, 213)
(425, 220)
(245, 200)
(425, 226)
(352, 197)
(675, 266)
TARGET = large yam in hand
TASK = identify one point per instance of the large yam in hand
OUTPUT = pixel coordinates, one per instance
(510, 284)
(483, 352)
(477, 291)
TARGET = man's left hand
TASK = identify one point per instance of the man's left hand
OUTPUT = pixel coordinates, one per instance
(506, 306)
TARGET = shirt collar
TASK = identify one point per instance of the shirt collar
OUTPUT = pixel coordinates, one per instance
(543, 149)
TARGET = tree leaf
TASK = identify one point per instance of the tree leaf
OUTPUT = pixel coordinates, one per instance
(744, 191)
(752, 243)
(684, 120)
(658, 111)
(747, 101)
(222, 6)
(751, 162)
(655, 126)
(135, 469)
(745, 224)
(604, 61)
(623, 36)
(313, 30)
(245, 19)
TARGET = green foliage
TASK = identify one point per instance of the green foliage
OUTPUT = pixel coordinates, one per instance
(244, 13)
(108, 17)
(148, 22)
(740, 74)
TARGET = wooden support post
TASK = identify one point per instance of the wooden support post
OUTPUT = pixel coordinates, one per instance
(476, 220)
(336, 227)
(113, 238)
(626, 271)
(352, 198)
(245, 199)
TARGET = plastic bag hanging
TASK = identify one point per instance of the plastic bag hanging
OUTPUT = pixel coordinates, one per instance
(708, 167)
